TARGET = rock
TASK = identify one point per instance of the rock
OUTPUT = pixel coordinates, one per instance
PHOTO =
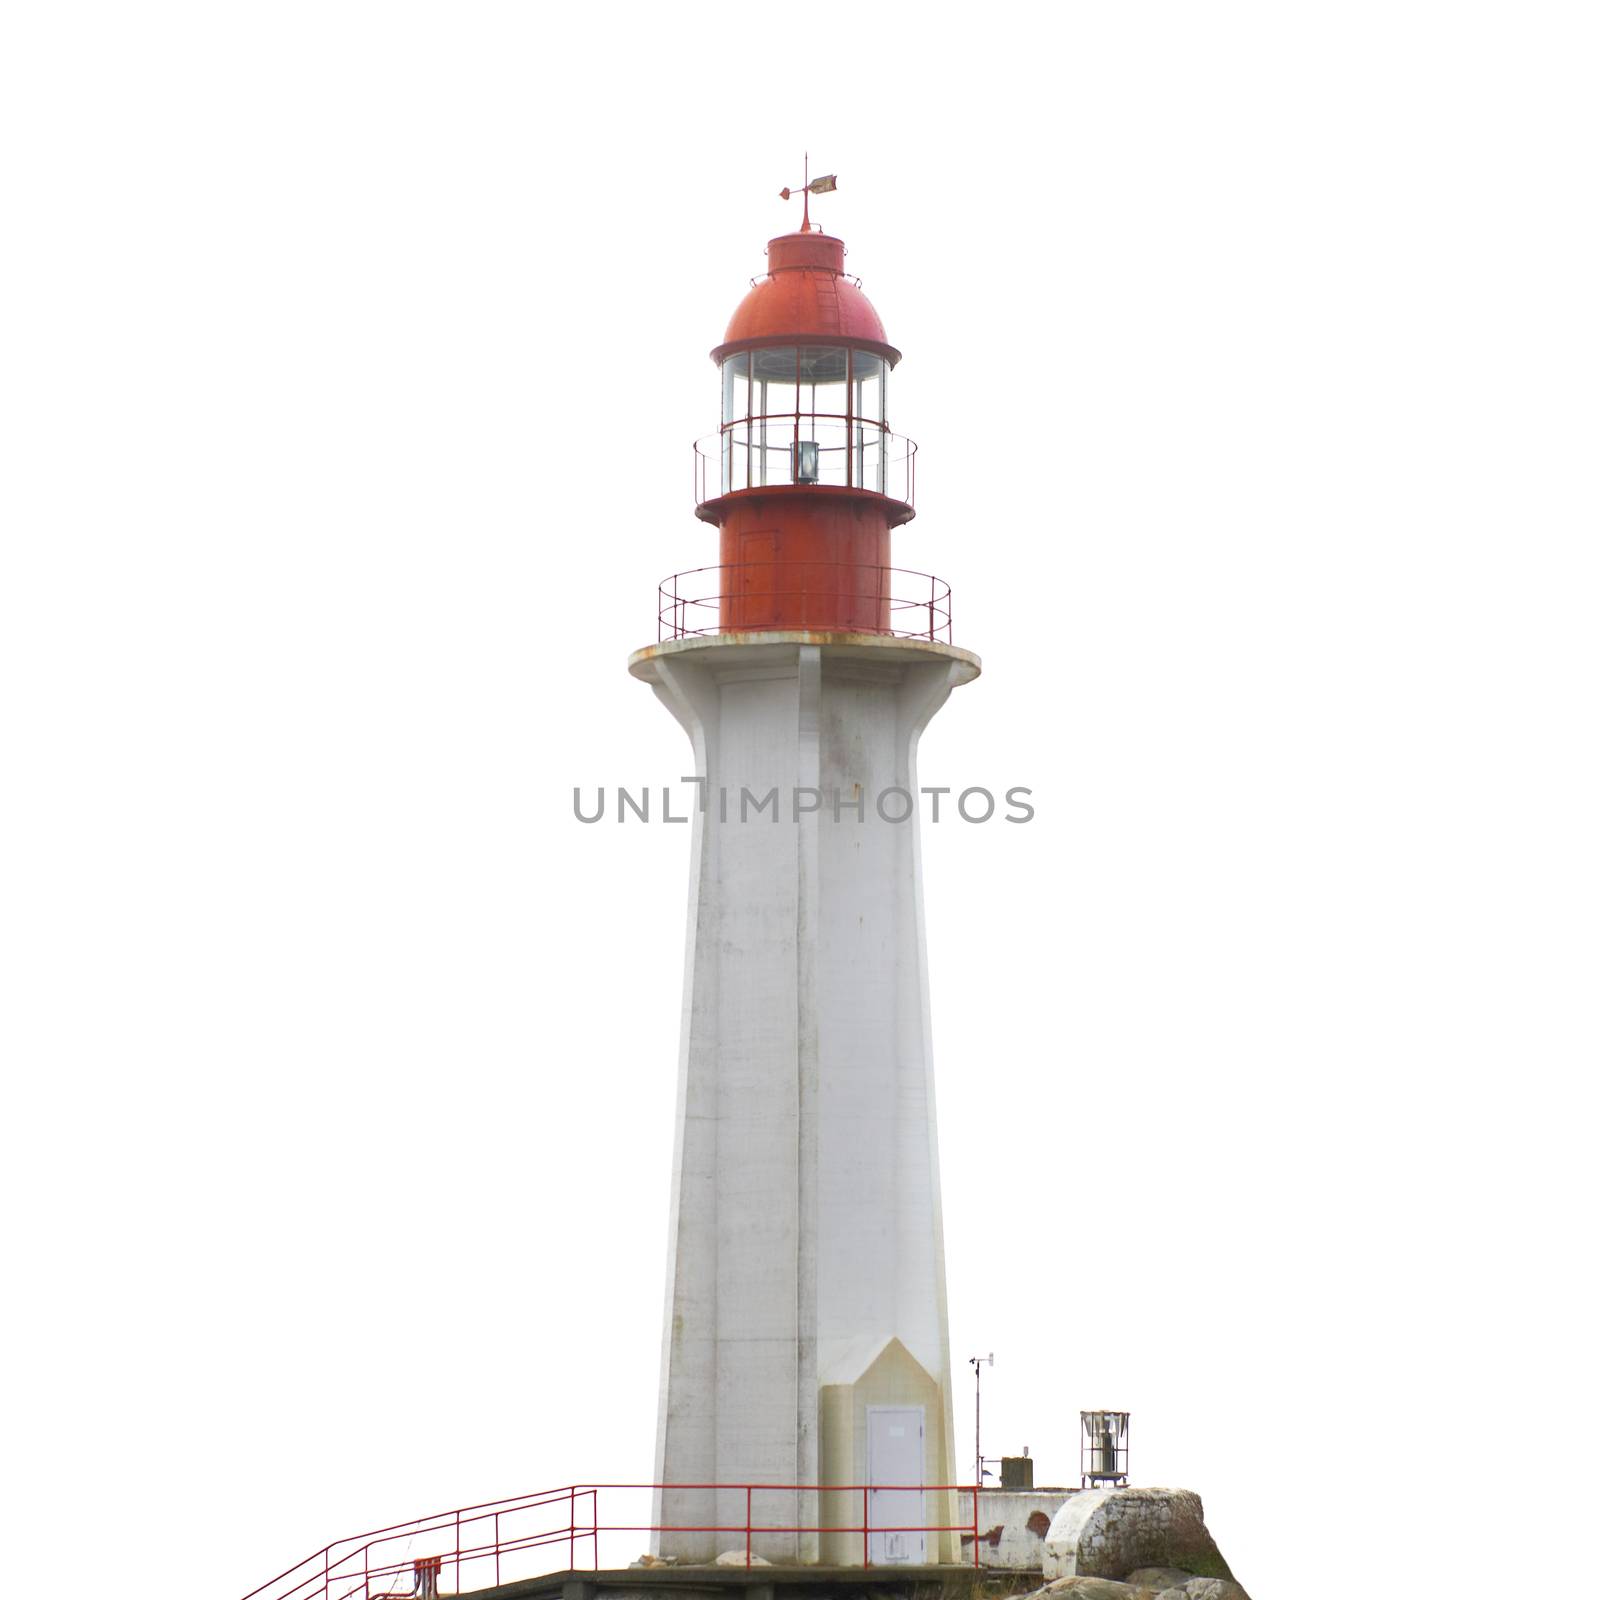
(654, 1561)
(1094, 1589)
(737, 1558)
(1104, 1533)
(1172, 1583)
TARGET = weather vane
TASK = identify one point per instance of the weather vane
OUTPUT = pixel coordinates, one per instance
(811, 186)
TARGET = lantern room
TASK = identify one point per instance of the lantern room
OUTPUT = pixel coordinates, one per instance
(804, 372)
(797, 414)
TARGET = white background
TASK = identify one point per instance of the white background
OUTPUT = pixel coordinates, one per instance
(351, 356)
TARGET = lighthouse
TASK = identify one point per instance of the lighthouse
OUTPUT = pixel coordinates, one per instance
(806, 1342)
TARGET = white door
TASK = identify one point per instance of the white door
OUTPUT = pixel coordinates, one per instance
(895, 1515)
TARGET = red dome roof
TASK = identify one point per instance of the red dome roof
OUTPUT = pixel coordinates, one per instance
(805, 299)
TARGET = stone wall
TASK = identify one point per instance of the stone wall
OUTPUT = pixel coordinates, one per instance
(1108, 1533)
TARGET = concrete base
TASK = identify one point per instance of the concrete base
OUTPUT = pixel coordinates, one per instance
(687, 1582)
(1012, 1524)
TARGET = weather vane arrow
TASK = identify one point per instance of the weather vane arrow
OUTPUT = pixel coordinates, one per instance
(824, 185)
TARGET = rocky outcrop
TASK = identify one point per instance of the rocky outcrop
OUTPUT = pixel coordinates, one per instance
(1093, 1589)
(1149, 1583)
(1114, 1533)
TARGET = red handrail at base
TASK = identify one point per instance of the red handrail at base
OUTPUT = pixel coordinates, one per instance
(484, 1545)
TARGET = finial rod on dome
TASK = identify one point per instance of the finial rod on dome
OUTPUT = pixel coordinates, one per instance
(824, 185)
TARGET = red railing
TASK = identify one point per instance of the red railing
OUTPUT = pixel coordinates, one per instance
(481, 1546)
(764, 452)
(752, 596)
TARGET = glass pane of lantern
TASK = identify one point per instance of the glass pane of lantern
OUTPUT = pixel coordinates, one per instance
(773, 374)
(772, 450)
(736, 386)
(869, 459)
(835, 451)
(736, 457)
(867, 370)
(823, 371)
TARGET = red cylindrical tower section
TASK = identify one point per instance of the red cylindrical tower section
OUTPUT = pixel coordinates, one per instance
(806, 481)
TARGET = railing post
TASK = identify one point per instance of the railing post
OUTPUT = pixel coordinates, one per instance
(458, 1552)
(594, 1522)
(866, 1523)
(748, 1492)
(572, 1528)
(497, 1549)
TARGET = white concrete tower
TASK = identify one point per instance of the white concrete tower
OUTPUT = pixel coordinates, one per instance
(806, 1337)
